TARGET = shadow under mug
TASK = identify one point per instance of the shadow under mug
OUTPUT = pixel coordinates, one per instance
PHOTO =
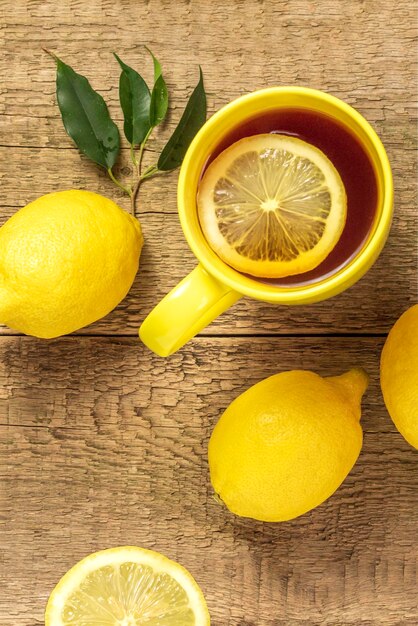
(213, 286)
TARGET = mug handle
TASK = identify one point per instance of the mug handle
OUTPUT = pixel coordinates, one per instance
(182, 313)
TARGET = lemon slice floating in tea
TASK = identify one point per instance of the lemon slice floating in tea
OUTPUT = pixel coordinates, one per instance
(127, 586)
(272, 205)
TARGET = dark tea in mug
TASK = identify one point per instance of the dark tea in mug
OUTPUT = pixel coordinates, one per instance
(349, 158)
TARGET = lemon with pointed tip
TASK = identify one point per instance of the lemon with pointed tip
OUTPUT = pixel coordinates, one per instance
(286, 444)
(399, 375)
(66, 260)
(127, 586)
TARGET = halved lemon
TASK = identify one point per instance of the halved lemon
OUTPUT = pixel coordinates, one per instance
(272, 205)
(127, 586)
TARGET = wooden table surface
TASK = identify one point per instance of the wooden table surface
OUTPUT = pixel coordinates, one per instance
(103, 443)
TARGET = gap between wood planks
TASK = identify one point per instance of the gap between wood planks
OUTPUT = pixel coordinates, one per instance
(217, 335)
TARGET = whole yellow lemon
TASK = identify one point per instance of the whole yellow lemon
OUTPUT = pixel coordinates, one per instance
(286, 444)
(399, 375)
(66, 260)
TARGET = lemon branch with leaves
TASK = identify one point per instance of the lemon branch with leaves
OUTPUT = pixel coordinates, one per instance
(87, 121)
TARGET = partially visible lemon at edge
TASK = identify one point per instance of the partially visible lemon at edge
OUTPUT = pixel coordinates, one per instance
(399, 375)
(127, 586)
(286, 444)
(66, 260)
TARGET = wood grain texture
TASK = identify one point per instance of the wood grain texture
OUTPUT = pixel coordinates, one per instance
(105, 444)
(102, 443)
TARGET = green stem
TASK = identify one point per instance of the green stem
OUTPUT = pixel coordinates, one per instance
(119, 184)
(135, 175)
(133, 157)
(151, 171)
(141, 150)
(138, 165)
(133, 198)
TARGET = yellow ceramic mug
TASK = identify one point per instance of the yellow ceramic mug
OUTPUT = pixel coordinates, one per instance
(213, 286)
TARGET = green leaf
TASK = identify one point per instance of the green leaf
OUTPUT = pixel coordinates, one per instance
(157, 65)
(193, 118)
(159, 95)
(159, 102)
(86, 117)
(135, 100)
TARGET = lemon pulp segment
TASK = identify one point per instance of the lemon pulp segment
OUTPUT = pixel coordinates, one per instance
(272, 205)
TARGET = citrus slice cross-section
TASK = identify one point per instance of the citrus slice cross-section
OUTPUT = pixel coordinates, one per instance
(272, 205)
(127, 586)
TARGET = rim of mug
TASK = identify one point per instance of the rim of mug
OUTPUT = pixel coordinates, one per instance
(326, 286)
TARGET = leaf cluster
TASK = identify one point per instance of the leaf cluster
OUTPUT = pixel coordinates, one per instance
(87, 120)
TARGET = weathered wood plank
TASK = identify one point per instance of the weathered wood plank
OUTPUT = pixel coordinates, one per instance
(105, 444)
(257, 43)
